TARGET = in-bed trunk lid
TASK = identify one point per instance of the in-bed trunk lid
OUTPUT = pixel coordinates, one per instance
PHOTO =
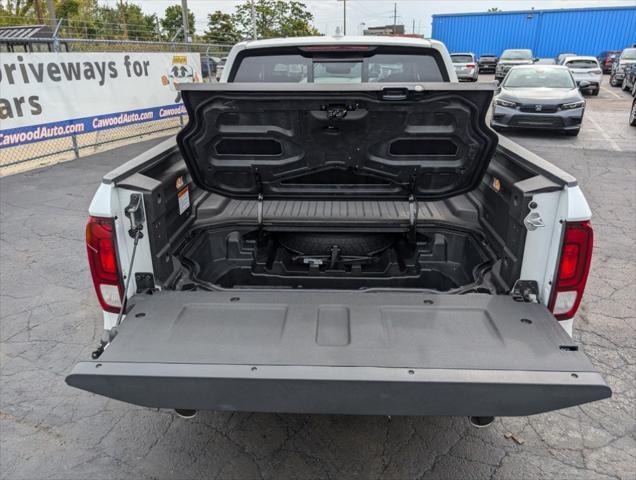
(350, 141)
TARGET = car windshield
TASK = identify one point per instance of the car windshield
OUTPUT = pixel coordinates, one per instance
(582, 64)
(462, 58)
(629, 54)
(539, 78)
(516, 55)
(488, 57)
(297, 68)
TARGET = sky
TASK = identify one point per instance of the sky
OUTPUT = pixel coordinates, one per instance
(328, 13)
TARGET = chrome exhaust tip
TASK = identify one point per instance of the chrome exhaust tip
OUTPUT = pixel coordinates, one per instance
(481, 422)
(187, 414)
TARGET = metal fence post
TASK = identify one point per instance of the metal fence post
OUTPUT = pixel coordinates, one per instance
(56, 38)
(75, 146)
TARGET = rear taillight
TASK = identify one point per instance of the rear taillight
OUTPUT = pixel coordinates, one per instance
(471, 65)
(102, 258)
(574, 266)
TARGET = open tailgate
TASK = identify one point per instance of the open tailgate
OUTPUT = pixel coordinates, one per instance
(368, 352)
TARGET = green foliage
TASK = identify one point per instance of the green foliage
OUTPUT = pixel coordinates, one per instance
(221, 29)
(172, 21)
(274, 18)
(125, 19)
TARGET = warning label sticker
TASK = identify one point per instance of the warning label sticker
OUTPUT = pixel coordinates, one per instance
(184, 200)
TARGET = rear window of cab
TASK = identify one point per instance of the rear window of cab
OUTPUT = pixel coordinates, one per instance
(330, 64)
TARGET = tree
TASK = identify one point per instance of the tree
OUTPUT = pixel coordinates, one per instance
(221, 29)
(274, 18)
(493, 10)
(126, 21)
(173, 21)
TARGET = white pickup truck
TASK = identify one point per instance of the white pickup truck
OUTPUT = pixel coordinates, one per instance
(337, 230)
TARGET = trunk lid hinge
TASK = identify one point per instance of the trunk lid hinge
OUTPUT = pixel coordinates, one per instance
(413, 210)
(259, 206)
(259, 210)
(526, 291)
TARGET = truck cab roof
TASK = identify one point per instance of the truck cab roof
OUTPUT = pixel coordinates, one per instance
(339, 41)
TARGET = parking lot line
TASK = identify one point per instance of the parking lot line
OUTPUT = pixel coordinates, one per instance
(609, 91)
(614, 146)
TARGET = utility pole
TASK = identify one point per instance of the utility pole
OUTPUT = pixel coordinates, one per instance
(184, 16)
(344, 16)
(38, 11)
(122, 18)
(413, 29)
(394, 17)
(52, 20)
(253, 14)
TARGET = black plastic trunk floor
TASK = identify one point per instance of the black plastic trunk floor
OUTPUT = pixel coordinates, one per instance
(328, 328)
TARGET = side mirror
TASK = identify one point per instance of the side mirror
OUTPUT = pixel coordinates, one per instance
(584, 84)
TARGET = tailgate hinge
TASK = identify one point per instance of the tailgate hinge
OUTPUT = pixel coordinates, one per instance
(526, 291)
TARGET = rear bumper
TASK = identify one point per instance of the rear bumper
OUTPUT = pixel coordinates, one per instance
(339, 390)
(468, 75)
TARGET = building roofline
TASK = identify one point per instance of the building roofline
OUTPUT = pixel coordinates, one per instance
(514, 12)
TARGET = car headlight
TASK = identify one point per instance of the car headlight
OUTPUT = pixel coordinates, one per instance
(506, 103)
(570, 106)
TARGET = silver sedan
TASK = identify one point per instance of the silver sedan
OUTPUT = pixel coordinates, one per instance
(539, 97)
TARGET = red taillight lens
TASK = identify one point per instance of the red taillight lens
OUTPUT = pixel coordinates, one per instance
(102, 258)
(471, 65)
(574, 267)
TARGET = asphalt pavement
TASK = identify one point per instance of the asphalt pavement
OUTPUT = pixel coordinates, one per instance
(50, 319)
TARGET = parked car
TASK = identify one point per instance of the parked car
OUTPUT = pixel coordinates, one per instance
(560, 58)
(487, 63)
(219, 68)
(586, 69)
(539, 97)
(350, 248)
(208, 66)
(605, 59)
(465, 66)
(629, 80)
(620, 66)
(632, 112)
(511, 58)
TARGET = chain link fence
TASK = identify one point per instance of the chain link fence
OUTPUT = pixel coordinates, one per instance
(34, 155)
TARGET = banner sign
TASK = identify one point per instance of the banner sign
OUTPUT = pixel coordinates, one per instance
(51, 95)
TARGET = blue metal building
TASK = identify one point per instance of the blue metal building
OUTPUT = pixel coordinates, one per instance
(584, 31)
